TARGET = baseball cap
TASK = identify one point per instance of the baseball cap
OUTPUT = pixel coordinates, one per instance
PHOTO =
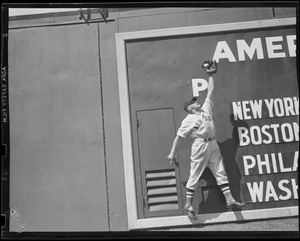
(189, 102)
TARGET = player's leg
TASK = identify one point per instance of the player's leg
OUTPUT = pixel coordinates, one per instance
(216, 165)
(191, 186)
(189, 203)
(189, 197)
(198, 165)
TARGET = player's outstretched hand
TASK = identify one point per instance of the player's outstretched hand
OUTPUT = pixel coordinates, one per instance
(210, 66)
(171, 159)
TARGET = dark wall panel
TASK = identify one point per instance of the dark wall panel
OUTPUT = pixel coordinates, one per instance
(159, 77)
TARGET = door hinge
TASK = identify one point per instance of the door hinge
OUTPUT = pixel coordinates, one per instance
(138, 123)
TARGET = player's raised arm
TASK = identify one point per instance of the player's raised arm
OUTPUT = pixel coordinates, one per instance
(210, 87)
(210, 68)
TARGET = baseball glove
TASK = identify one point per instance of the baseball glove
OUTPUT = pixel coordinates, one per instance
(210, 66)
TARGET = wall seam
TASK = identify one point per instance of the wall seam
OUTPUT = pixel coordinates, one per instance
(103, 128)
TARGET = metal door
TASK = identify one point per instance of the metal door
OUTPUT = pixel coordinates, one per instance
(160, 182)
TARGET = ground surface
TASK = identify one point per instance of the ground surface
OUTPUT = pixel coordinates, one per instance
(281, 228)
(283, 224)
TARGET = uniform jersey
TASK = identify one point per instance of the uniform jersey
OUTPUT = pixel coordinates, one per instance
(199, 125)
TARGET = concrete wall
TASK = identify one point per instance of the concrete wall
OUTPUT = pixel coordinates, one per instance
(66, 163)
(57, 176)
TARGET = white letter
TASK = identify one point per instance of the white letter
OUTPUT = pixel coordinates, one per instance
(261, 163)
(296, 156)
(248, 166)
(295, 188)
(237, 110)
(256, 108)
(291, 45)
(243, 133)
(275, 127)
(274, 162)
(198, 88)
(282, 168)
(252, 134)
(223, 52)
(283, 188)
(278, 111)
(296, 103)
(270, 192)
(296, 130)
(243, 47)
(269, 141)
(288, 104)
(269, 105)
(271, 47)
(290, 131)
(245, 110)
(256, 191)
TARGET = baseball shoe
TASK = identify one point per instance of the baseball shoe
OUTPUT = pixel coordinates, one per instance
(190, 213)
(235, 204)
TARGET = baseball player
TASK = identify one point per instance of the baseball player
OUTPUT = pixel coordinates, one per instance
(205, 151)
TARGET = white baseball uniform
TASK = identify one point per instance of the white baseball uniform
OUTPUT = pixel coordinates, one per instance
(205, 150)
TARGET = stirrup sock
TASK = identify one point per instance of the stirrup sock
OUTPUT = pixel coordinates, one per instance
(190, 193)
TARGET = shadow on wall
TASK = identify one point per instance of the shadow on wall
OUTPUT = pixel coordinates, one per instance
(229, 149)
(213, 199)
